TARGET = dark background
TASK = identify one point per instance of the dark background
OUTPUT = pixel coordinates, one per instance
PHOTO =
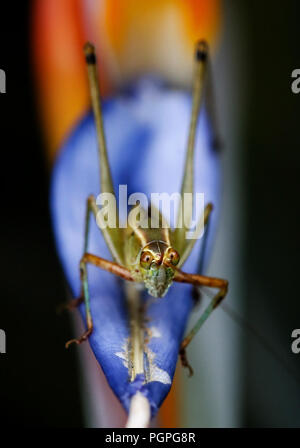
(39, 381)
(272, 143)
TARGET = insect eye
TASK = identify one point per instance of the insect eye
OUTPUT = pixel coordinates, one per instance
(146, 259)
(173, 256)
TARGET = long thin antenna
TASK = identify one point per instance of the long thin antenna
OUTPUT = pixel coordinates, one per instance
(245, 325)
(261, 338)
(90, 57)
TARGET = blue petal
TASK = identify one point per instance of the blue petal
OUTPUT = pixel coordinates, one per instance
(146, 132)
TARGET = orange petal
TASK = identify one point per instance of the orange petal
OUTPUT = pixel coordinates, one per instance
(59, 66)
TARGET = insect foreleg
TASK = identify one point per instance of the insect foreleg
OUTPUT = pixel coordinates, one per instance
(91, 206)
(107, 265)
(200, 280)
(86, 296)
(110, 266)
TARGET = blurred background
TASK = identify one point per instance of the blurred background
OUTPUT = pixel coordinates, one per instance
(239, 382)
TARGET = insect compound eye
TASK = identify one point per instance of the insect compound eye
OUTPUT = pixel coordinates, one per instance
(173, 257)
(146, 259)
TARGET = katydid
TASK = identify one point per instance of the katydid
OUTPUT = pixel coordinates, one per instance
(150, 256)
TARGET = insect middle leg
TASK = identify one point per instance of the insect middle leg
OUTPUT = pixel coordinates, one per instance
(200, 280)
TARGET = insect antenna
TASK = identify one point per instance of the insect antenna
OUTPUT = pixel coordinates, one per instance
(245, 325)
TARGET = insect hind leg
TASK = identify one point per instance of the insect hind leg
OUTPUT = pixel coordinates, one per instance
(200, 280)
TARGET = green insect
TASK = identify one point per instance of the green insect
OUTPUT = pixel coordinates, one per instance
(149, 256)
